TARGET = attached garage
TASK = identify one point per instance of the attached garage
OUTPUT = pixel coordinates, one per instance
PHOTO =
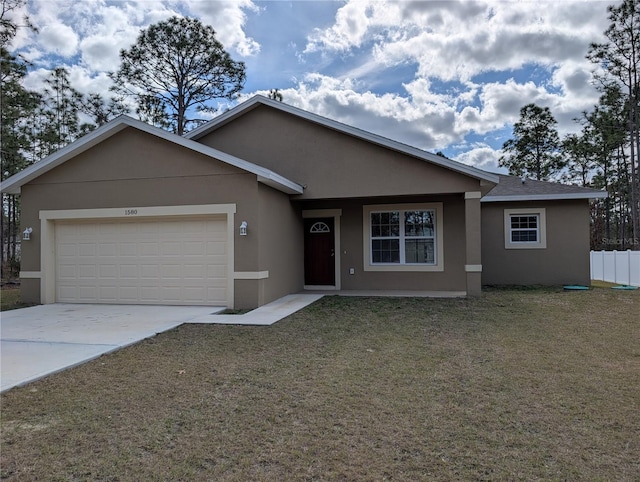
(133, 214)
(146, 261)
(177, 255)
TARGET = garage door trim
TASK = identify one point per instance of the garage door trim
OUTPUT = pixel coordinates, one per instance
(47, 233)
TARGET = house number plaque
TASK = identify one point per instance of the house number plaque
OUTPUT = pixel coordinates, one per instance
(130, 212)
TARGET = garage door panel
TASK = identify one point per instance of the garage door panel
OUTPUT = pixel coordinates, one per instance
(149, 271)
(108, 271)
(129, 271)
(128, 293)
(128, 249)
(67, 271)
(215, 292)
(86, 249)
(171, 248)
(148, 249)
(106, 294)
(107, 249)
(194, 271)
(216, 248)
(66, 249)
(84, 271)
(194, 294)
(197, 248)
(148, 261)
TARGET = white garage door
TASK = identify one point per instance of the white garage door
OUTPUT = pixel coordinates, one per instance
(176, 261)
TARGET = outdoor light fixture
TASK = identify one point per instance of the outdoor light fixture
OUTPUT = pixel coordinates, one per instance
(26, 234)
(243, 228)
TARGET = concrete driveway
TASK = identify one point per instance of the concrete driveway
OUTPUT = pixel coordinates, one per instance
(41, 340)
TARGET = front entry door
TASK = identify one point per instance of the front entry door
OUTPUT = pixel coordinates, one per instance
(319, 252)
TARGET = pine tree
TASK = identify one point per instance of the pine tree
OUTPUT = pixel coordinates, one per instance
(534, 148)
(177, 66)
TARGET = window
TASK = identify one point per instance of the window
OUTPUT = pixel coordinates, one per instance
(525, 228)
(403, 237)
(320, 227)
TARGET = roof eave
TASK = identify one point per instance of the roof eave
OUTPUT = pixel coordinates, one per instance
(545, 197)
(280, 183)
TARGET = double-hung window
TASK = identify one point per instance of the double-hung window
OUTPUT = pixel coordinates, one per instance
(525, 228)
(402, 236)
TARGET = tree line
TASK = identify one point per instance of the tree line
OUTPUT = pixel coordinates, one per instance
(604, 153)
(168, 78)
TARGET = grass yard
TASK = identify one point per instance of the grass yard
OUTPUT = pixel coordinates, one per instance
(516, 385)
(10, 299)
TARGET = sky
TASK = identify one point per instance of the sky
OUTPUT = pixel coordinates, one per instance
(447, 76)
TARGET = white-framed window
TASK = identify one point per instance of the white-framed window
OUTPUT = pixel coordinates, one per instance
(525, 228)
(403, 237)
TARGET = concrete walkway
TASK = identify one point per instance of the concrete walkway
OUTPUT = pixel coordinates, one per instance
(265, 315)
(42, 340)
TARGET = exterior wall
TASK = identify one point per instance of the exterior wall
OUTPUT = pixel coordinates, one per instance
(453, 278)
(565, 260)
(278, 257)
(329, 163)
(281, 244)
(131, 170)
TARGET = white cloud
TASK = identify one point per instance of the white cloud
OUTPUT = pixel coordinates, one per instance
(355, 22)
(459, 39)
(59, 38)
(483, 156)
(228, 19)
(116, 29)
(35, 80)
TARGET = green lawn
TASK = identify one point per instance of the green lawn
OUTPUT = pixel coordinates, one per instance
(516, 385)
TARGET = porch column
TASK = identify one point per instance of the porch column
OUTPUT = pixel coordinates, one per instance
(473, 235)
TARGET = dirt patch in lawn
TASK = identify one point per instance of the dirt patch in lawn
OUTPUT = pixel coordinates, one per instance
(516, 385)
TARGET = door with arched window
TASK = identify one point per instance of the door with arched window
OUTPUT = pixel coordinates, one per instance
(319, 252)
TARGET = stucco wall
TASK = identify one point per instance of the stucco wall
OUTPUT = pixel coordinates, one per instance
(133, 169)
(329, 163)
(281, 244)
(565, 260)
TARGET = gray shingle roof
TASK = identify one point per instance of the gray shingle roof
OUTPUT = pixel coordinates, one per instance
(512, 188)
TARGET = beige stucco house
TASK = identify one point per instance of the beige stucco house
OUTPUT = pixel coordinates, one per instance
(268, 200)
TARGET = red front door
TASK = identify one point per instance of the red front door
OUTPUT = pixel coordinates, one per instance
(319, 252)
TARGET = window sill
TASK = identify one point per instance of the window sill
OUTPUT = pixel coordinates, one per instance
(403, 268)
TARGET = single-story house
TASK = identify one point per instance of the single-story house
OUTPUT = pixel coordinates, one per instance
(267, 200)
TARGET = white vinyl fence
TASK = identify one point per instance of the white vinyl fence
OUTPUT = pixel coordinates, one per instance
(622, 267)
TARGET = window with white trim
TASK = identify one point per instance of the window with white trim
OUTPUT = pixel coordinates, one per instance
(525, 228)
(403, 237)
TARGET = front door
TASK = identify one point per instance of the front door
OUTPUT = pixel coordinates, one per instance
(319, 252)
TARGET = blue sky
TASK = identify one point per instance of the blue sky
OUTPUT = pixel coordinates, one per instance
(446, 76)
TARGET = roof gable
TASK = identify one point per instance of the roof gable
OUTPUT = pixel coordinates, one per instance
(259, 100)
(13, 184)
